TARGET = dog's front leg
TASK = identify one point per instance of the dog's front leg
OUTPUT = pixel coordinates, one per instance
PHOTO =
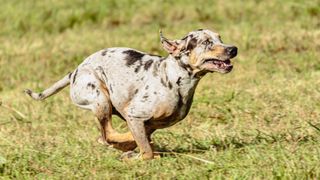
(140, 135)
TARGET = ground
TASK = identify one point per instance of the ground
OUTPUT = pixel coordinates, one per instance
(260, 121)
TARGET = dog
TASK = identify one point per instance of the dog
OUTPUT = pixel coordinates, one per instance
(149, 92)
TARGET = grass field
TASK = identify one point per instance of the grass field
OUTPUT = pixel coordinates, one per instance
(262, 121)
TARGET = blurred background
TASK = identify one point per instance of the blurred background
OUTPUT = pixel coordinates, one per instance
(261, 120)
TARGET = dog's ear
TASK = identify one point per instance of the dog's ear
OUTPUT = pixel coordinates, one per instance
(174, 47)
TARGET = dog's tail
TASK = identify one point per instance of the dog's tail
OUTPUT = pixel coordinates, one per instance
(55, 88)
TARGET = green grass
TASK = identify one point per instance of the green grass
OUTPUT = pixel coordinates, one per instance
(259, 122)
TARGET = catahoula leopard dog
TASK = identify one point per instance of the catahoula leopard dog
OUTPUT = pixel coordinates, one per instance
(148, 91)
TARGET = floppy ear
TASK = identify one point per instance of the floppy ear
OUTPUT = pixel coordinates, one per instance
(173, 47)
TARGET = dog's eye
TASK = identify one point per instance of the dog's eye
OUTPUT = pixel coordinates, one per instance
(207, 42)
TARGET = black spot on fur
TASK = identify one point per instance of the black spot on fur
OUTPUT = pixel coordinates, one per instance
(163, 83)
(91, 85)
(98, 92)
(154, 92)
(104, 52)
(145, 96)
(200, 29)
(178, 81)
(112, 51)
(40, 95)
(137, 69)
(155, 69)
(69, 76)
(192, 44)
(187, 67)
(136, 91)
(28, 91)
(74, 77)
(147, 87)
(170, 85)
(148, 64)
(132, 56)
(164, 65)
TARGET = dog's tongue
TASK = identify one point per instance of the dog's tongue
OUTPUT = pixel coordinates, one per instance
(211, 65)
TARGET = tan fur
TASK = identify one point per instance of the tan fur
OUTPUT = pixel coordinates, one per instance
(193, 58)
(216, 51)
(162, 111)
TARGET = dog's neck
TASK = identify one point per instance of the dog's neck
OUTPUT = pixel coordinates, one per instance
(182, 77)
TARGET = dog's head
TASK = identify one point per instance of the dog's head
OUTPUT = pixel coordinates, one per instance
(202, 50)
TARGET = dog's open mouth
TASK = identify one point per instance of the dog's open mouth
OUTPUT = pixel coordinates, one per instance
(220, 65)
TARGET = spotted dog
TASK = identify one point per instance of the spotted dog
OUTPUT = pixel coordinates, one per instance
(148, 91)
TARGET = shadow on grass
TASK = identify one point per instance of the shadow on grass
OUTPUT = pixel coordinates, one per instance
(198, 146)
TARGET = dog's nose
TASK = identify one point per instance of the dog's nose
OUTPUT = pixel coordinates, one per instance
(232, 51)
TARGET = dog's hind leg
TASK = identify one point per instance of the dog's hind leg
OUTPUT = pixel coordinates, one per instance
(121, 141)
(89, 92)
(103, 111)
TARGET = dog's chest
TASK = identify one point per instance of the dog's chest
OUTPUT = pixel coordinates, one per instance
(173, 110)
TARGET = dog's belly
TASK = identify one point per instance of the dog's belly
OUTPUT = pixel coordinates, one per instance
(179, 113)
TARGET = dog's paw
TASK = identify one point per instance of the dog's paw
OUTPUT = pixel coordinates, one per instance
(157, 155)
(130, 155)
(100, 140)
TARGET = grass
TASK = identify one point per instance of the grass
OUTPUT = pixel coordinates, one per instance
(259, 122)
